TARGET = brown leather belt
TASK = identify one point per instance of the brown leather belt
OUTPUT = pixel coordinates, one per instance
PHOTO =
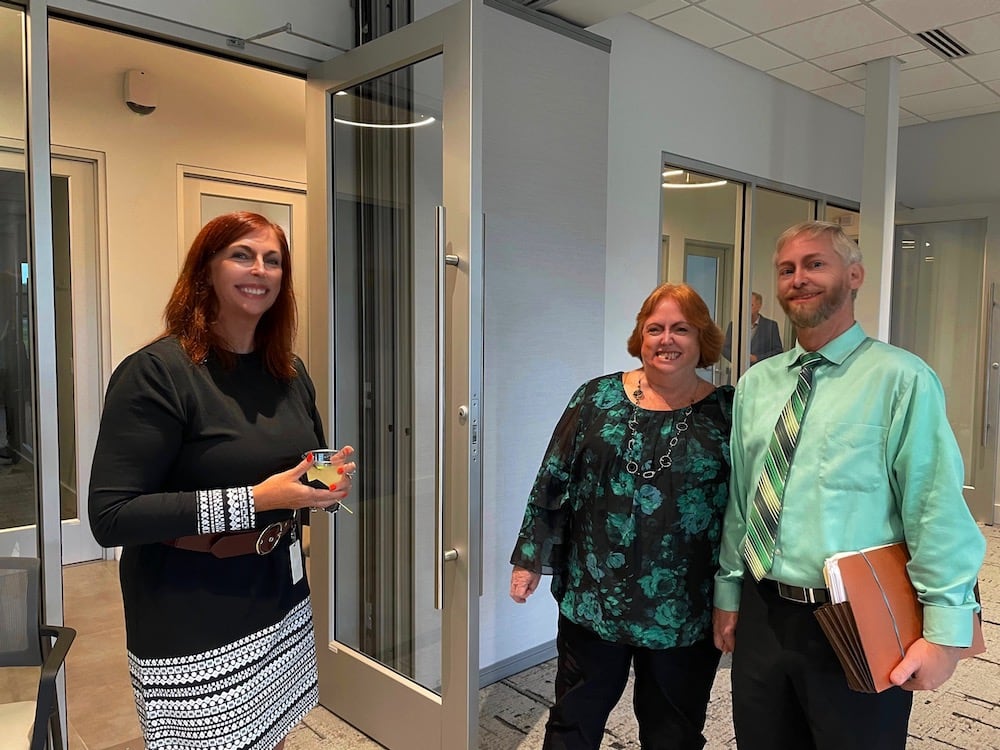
(234, 544)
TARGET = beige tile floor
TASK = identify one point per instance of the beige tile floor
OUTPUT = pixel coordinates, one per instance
(965, 713)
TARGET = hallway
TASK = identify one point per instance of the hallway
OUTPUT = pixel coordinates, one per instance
(964, 714)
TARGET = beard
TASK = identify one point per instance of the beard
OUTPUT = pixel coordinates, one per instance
(829, 302)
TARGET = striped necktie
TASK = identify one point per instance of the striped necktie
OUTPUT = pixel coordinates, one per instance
(762, 519)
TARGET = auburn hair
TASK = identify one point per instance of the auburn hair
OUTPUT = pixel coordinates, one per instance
(693, 308)
(194, 306)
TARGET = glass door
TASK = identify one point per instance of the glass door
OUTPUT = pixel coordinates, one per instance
(393, 269)
(79, 354)
(945, 310)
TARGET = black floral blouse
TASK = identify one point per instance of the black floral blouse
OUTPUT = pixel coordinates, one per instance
(632, 556)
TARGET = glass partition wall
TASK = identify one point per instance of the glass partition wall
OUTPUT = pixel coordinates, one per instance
(718, 233)
(19, 507)
(702, 226)
(773, 213)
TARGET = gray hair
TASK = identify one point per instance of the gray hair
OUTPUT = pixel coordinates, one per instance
(844, 246)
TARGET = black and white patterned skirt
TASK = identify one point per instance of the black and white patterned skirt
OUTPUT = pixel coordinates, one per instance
(246, 695)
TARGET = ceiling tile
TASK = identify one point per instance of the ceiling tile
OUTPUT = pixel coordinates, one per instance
(921, 57)
(835, 32)
(921, 15)
(858, 73)
(844, 94)
(853, 73)
(995, 85)
(658, 8)
(701, 27)
(757, 53)
(588, 12)
(806, 76)
(985, 67)
(984, 110)
(764, 15)
(911, 120)
(981, 35)
(903, 114)
(889, 48)
(943, 75)
(950, 99)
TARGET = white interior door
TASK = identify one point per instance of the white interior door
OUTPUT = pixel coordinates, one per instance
(207, 193)
(395, 276)
(707, 269)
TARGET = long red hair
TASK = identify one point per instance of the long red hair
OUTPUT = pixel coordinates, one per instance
(193, 305)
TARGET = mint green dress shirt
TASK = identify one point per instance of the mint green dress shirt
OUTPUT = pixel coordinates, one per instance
(876, 462)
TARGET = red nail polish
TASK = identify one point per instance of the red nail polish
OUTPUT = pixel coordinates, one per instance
(309, 456)
(333, 487)
(340, 469)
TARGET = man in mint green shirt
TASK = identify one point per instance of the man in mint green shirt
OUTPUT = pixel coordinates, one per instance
(875, 462)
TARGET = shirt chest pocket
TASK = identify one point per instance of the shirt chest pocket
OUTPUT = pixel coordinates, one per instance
(853, 457)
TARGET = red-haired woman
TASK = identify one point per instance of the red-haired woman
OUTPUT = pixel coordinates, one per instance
(626, 515)
(196, 474)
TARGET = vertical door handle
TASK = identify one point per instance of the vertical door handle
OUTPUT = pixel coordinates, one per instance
(442, 259)
(991, 363)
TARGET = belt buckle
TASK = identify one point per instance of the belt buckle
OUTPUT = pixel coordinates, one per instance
(797, 594)
(270, 537)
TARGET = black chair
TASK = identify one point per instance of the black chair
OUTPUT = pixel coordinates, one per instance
(25, 642)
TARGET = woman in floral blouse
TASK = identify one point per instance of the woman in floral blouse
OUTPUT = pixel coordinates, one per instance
(626, 515)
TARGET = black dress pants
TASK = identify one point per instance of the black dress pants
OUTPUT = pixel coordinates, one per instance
(789, 690)
(671, 691)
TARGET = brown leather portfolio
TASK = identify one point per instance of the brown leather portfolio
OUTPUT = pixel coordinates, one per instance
(879, 616)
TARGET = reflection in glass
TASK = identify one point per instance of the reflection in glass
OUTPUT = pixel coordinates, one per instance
(702, 216)
(937, 278)
(387, 181)
(773, 213)
(276, 213)
(17, 475)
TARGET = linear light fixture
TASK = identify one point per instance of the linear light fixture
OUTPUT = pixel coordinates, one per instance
(673, 172)
(391, 126)
(713, 183)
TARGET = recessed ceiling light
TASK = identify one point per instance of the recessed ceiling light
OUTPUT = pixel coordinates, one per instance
(388, 126)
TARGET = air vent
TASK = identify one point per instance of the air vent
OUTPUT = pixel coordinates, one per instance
(939, 41)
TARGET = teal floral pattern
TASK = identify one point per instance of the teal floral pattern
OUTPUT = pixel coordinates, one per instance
(631, 559)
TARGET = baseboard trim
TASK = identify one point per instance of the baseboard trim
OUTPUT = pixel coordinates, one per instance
(517, 663)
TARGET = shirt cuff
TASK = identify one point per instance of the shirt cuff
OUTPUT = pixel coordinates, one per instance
(727, 594)
(949, 626)
(229, 509)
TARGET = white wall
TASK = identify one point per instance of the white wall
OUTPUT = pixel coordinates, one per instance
(211, 113)
(670, 94)
(11, 73)
(544, 181)
(950, 163)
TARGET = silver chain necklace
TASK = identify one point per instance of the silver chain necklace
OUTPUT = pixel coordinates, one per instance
(665, 462)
